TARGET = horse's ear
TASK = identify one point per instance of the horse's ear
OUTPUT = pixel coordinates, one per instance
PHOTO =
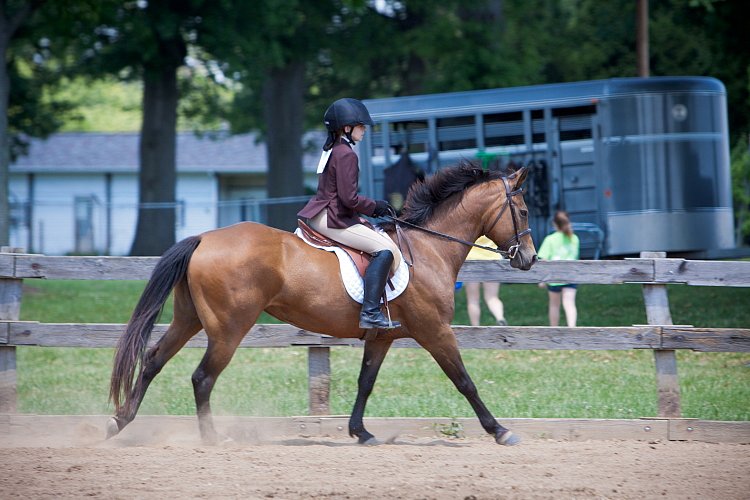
(520, 176)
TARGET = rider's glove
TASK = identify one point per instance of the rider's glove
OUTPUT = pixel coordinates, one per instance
(382, 208)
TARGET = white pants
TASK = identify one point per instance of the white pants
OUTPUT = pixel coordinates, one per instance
(357, 236)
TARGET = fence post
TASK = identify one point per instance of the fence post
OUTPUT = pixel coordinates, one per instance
(319, 380)
(10, 309)
(658, 313)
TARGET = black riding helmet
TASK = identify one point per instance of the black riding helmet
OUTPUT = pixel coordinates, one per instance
(344, 112)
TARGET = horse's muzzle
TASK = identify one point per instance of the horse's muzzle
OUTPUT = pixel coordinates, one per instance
(522, 261)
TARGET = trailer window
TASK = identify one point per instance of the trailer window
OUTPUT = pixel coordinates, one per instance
(412, 135)
(503, 129)
(574, 122)
(456, 132)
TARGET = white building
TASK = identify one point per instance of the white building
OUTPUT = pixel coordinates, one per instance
(78, 192)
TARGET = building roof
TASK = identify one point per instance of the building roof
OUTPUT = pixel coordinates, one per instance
(97, 152)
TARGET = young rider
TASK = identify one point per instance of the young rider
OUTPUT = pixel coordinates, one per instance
(335, 208)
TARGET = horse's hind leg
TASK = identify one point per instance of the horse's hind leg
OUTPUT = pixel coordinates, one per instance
(375, 351)
(178, 333)
(444, 350)
(218, 355)
(184, 325)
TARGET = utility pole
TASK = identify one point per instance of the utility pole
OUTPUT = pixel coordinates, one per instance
(642, 38)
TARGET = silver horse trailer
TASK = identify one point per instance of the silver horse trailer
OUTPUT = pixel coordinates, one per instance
(638, 163)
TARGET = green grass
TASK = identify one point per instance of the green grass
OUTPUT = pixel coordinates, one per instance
(575, 384)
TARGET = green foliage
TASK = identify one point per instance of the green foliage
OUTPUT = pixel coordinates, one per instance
(353, 48)
(101, 105)
(741, 187)
(269, 35)
(28, 115)
(110, 105)
(227, 49)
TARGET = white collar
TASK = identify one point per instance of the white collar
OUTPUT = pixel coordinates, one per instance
(327, 154)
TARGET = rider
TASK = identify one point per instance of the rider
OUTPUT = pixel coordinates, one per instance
(335, 208)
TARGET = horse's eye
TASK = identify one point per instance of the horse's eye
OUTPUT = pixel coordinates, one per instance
(524, 213)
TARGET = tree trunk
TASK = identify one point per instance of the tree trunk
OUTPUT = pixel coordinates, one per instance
(283, 111)
(641, 38)
(155, 230)
(4, 140)
(9, 24)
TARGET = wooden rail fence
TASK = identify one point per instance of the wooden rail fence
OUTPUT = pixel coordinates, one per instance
(652, 270)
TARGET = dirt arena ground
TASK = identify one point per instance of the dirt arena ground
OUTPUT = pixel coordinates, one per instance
(163, 464)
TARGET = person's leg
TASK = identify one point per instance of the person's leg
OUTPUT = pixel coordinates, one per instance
(375, 279)
(472, 303)
(554, 308)
(359, 237)
(384, 254)
(569, 304)
(494, 304)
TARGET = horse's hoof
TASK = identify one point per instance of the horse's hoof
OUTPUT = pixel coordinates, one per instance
(112, 428)
(209, 440)
(215, 439)
(507, 438)
(373, 441)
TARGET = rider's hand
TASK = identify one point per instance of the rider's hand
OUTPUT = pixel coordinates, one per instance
(382, 208)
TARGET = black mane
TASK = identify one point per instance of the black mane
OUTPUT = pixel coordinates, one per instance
(425, 196)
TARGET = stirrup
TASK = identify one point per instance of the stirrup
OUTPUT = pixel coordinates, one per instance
(377, 322)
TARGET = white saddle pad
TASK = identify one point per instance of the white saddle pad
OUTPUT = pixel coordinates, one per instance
(354, 283)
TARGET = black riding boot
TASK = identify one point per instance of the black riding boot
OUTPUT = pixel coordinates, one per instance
(375, 279)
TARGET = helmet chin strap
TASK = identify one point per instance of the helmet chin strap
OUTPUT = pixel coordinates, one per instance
(349, 134)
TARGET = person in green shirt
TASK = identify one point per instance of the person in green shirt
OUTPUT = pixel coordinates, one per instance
(563, 244)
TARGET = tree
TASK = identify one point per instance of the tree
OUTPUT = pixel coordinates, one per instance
(155, 229)
(271, 47)
(149, 41)
(411, 47)
(292, 58)
(12, 16)
(741, 189)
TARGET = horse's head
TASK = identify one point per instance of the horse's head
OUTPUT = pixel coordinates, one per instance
(506, 220)
(489, 204)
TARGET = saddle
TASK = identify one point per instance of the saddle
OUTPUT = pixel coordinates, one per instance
(360, 258)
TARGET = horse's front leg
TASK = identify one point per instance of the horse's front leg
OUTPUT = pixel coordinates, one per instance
(374, 354)
(444, 350)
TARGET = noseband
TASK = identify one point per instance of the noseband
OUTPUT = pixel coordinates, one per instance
(512, 249)
(515, 239)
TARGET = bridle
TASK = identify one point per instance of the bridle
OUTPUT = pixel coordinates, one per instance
(512, 250)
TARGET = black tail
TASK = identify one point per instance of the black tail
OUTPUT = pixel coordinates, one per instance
(131, 348)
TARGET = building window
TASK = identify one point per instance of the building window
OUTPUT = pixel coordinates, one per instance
(83, 207)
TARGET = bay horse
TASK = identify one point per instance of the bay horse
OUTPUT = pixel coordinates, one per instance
(223, 279)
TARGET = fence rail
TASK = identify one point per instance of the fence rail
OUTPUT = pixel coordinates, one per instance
(594, 272)
(590, 338)
(651, 270)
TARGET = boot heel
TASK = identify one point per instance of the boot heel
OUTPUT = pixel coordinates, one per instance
(378, 323)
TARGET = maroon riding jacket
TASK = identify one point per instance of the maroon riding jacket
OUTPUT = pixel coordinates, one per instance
(337, 190)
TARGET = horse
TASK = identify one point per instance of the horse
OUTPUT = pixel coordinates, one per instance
(223, 279)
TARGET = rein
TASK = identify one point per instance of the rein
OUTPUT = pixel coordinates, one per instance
(508, 254)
